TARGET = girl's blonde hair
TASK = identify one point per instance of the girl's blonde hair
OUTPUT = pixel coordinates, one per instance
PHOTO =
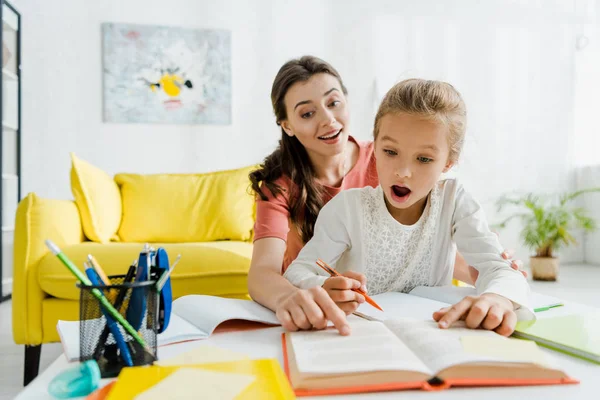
(434, 100)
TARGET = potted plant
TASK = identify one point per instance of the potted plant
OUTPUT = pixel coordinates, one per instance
(547, 226)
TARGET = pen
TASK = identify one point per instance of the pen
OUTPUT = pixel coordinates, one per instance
(97, 293)
(333, 272)
(137, 301)
(102, 276)
(546, 308)
(163, 279)
(118, 303)
(110, 322)
(98, 269)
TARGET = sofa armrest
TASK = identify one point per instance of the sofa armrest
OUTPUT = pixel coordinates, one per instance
(37, 219)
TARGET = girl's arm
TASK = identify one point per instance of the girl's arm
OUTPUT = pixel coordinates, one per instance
(295, 308)
(330, 240)
(481, 249)
(500, 288)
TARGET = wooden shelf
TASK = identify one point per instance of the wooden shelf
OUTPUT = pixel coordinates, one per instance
(9, 75)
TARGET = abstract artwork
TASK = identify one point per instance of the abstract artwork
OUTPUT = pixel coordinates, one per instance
(156, 74)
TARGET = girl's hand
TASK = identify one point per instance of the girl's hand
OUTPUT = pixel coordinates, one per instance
(489, 311)
(310, 309)
(340, 288)
(517, 265)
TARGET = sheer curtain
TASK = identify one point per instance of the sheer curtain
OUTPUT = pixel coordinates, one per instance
(514, 63)
(586, 124)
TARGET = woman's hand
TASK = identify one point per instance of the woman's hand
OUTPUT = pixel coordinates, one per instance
(517, 265)
(489, 311)
(340, 288)
(305, 309)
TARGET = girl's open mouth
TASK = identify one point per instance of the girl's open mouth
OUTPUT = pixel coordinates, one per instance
(400, 194)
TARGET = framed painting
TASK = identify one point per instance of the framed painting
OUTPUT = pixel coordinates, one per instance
(158, 74)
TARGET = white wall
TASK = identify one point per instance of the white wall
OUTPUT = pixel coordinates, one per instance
(62, 87)
(512, 60)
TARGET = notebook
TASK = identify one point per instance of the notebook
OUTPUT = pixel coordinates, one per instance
(193, 317)
(578, 335)
(411, 354)
(242, 380)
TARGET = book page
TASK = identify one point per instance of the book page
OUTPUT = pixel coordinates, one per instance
(207, 312)
(68, 331)
(396, 304)
(443, 348)
(506, 349)
(179, 330)
(370, 347)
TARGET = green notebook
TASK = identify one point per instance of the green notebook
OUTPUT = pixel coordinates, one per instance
(577, 334)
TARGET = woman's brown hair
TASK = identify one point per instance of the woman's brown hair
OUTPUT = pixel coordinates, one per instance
(290, 158)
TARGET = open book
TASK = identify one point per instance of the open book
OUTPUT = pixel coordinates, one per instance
(411, 354)
(196, 316)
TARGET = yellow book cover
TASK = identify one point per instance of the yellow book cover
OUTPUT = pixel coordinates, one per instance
(240, 380)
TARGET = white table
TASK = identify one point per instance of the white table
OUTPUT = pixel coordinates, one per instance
(266, 343)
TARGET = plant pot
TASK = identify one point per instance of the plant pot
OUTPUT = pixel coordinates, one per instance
(544, 268)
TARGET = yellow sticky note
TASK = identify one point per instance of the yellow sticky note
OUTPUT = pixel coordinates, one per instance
(192, 383)
(504, 349)
(202, 355)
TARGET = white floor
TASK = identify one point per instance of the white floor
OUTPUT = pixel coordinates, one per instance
(578, 283)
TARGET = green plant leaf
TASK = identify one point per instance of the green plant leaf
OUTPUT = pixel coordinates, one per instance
(548, 225)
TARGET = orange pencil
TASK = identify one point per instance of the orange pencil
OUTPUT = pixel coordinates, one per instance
(333, 272)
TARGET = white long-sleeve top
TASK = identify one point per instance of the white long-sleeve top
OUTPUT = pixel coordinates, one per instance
(356, 232)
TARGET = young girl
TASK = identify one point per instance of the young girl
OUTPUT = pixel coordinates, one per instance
(403, 233)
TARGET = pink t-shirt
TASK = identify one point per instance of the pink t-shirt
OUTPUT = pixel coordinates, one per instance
(273, 215)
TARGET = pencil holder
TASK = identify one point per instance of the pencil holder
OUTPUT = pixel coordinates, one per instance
(104, 338)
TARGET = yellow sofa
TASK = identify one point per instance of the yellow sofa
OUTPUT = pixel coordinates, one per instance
(207, 218)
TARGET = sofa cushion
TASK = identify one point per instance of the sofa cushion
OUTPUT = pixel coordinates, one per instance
(217, 268)
(177, 208)
(99, 201)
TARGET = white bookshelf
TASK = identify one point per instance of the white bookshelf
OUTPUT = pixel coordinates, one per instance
(7, 126)
(9, 75)
(10, 111)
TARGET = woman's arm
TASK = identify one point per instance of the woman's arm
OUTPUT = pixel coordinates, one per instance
(465, 273)
(265, 283)
(295, 308)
